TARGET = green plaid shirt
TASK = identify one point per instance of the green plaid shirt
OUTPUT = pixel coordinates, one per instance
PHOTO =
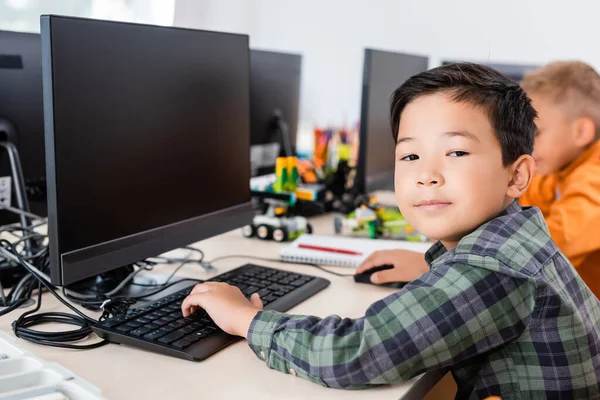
(504, 310)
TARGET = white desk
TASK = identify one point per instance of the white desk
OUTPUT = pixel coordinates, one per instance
(129, 373)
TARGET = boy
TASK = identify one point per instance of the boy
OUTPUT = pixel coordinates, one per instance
(566, 96)
(500, 305)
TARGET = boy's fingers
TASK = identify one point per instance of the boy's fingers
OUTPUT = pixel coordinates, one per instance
(193, 300)
(256, 301)
(369, 263)
(389, 275)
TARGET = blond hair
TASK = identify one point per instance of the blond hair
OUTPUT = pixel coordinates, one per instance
(573, 85)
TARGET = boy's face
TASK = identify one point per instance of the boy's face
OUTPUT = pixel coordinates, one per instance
(449, 174)
(553, 148)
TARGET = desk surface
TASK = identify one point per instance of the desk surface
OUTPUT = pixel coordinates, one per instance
(123, 372)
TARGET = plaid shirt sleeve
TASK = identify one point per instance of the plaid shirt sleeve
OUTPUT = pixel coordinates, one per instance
(448, 315)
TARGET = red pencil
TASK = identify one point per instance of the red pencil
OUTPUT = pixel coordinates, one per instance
(329, 249)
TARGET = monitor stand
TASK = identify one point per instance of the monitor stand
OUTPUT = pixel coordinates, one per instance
(280, 125)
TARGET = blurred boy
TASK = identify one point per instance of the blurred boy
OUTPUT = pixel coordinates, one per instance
(566, 96)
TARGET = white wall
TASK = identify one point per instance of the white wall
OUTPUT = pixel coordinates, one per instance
(331, 35)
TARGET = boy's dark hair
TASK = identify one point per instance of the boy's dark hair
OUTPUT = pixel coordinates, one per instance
(508, 107)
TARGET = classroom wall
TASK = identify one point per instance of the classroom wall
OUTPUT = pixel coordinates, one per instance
(331, 35)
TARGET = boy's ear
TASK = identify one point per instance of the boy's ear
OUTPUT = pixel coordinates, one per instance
(585, 131)
(522, 171)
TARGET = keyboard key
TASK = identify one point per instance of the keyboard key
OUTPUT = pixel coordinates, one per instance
(286, 289)
(192, 338)
(249, 290)
(109, 323)
(175, 316)
(124, 328)
(168, 328)
(171, 337)
(177, 324)
(154, 335)
(151, 316)
(263, 292)
(298, 282)
(180, 344)
(140, 331)
(133, 324)
(270, 298)
(198, 315)
(188, 330)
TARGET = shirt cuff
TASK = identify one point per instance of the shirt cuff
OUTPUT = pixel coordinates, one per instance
(260, 333)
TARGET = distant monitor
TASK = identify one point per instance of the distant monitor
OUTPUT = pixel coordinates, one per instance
(147, 140)
(383, 73)
(274, 106)
(22, 118)
(513, 71)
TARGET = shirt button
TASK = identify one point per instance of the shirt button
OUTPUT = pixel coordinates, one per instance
(262, 355)
(293, 372)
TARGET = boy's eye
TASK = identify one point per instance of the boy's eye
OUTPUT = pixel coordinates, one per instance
(457, 153)
(410, 157)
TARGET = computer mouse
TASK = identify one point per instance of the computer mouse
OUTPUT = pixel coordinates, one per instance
(365, 277)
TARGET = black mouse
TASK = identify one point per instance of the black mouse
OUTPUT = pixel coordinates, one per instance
(365, 277)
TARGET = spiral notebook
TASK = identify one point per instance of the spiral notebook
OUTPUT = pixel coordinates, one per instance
(294, 253)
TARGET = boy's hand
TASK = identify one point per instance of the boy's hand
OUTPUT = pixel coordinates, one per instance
(225, 304)
(408, 265)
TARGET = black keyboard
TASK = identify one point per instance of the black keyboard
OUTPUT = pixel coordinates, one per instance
(160, 326)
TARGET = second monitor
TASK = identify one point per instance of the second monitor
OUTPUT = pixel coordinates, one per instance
(274, 104)
(383, 73)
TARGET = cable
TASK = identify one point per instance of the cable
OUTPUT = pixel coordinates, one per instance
(100, 298)
(279, 261)
(4, 301)
(21, 212)
(22, 326)
(99, 301)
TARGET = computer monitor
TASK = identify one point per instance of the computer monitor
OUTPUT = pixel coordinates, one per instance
(147, 138)
(274, 105)
(513, 71)
(383, 72)
(22, 118)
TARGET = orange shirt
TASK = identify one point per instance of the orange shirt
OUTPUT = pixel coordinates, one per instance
(570, 202)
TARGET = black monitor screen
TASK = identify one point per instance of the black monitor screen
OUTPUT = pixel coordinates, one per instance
(274, 85)
(383, 73)
(149, 127)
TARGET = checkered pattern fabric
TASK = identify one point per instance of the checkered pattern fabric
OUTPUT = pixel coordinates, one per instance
(504, 310)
